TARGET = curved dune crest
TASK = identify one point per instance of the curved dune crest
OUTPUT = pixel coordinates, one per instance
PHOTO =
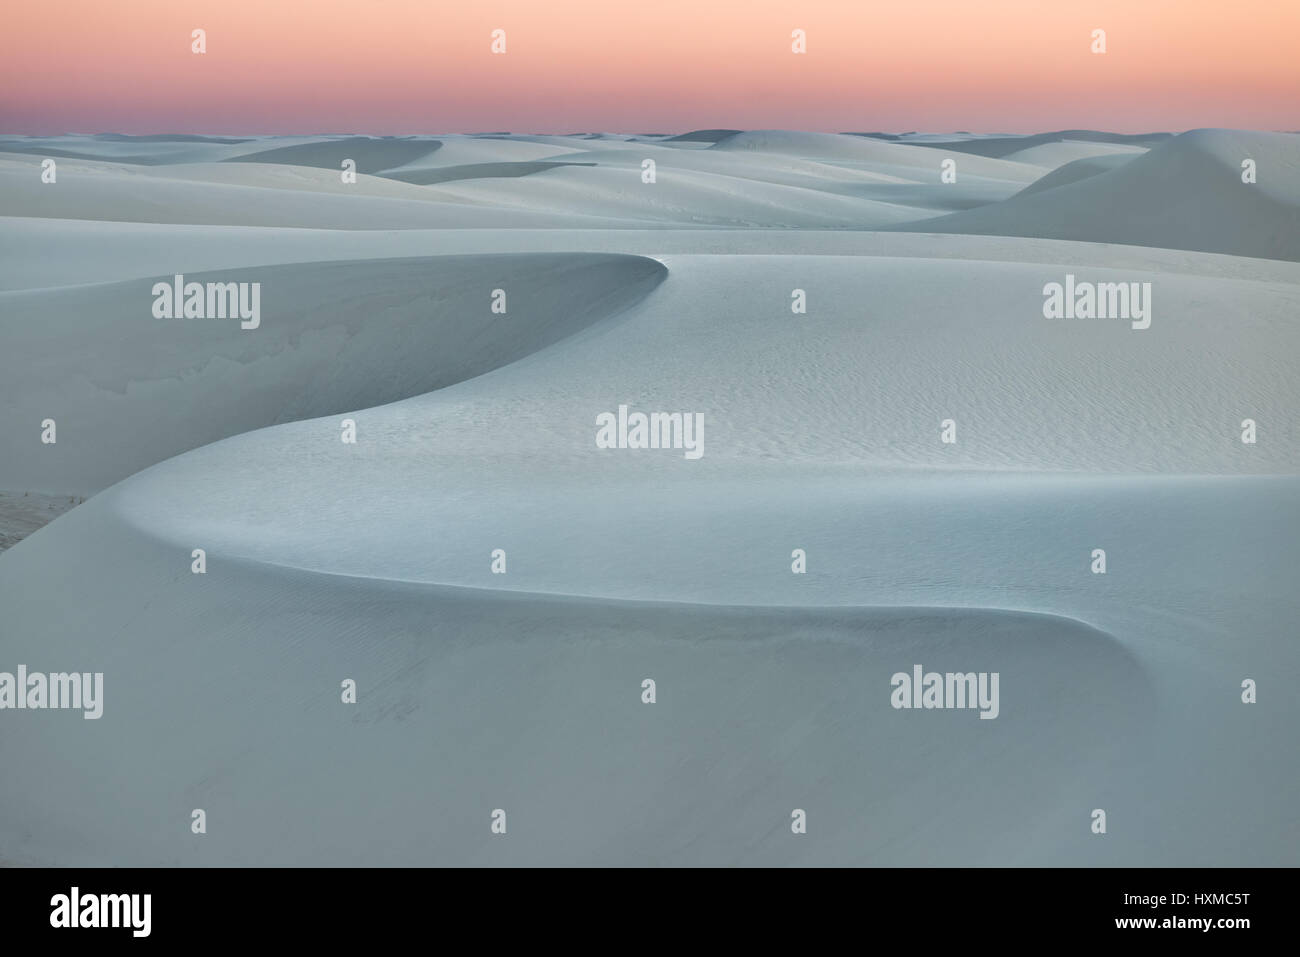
(532, 704)
(130, 389)
(514, 457)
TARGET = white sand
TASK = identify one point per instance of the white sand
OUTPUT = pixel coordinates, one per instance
(476, 431)
(1185, 193)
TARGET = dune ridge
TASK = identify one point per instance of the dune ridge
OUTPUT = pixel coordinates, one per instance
(346, 335)
(1185, 193)
(501, 587)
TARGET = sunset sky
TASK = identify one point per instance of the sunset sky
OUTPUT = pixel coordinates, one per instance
(423, 66)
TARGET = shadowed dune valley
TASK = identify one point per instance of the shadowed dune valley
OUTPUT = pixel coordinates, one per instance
(718, 496)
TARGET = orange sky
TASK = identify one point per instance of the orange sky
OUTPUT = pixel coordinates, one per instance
(424, 66)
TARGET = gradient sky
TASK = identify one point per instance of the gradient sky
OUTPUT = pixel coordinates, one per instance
(424, 66)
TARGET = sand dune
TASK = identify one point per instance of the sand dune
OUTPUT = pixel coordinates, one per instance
(271, 176)
(1201, 357)
(558, 737)
(1076, 170)
(42, 253)
(679, 195)
(370, 155)
(1185, 193)
(476, 431)
(473, 150)
(838, 148)
(1005, 146)
(530, 702)
(116, 194)
(444, 174)
(848, 403)
(124, 385)
(162, 150)
(702, 136)
(1055, 155)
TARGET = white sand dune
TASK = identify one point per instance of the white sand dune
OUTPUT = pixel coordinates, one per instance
(470, 150)
(369, 154)
(532, 704)
(134, 150)
(567, 143)
(1001, 146)
(42, 253)
(432, 176)
(776, 168)
(475, 431)
(679, 195)
(326, 346)
(115, 194)
(1185, 193)
(846, 150)
(1076, 170)
(160, 150)
(1054, 155)
(849, 403)
(1150, 401)
(472, 700)
(730, 187)
(272, 176)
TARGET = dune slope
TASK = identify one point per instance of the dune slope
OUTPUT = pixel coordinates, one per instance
(501, 588)
(127, 389)
(1186, 193)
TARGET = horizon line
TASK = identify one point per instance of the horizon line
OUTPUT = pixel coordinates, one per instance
(612, 132)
